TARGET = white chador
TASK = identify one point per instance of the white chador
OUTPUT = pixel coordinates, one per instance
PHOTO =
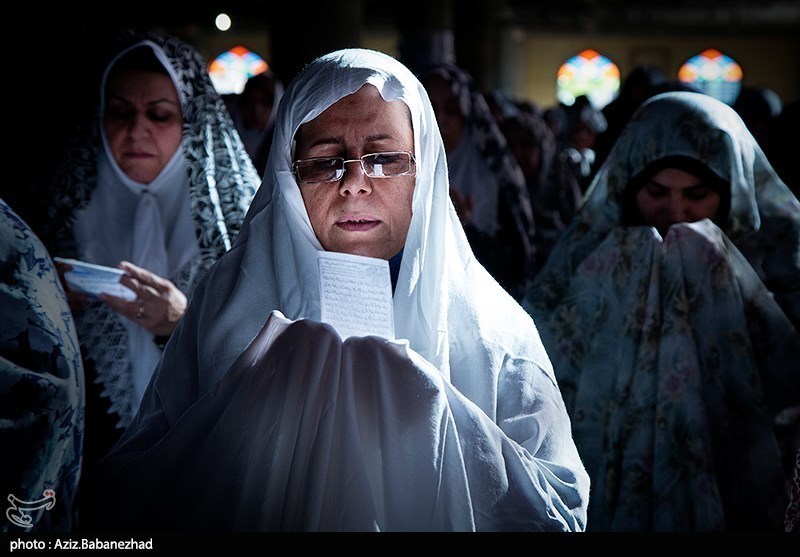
(259, 417)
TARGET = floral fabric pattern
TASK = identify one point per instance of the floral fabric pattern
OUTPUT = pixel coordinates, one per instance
(222, 183)
(41, 383)
(675, 354)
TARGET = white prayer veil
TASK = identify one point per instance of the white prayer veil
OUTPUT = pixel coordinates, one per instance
(443, 297)
(201, 197)
(148, 224)
(446, 307)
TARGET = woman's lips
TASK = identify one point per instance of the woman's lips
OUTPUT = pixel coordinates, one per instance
(358, 224)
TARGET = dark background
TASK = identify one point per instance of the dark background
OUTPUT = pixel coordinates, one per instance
(52, 54)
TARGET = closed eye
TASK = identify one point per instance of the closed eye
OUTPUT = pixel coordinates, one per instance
(697, 193)
(656, 190)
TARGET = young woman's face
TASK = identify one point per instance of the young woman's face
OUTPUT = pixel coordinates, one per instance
(358, 214)
(143, 122)
(673, 195)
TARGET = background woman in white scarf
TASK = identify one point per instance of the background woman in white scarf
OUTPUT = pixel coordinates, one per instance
(156, 182)
(256, 421)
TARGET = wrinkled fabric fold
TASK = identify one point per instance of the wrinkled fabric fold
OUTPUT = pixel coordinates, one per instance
(473, 367)
(360, 435)
(674, 360)
(343, 437)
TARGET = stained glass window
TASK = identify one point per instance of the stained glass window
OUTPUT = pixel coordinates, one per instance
(588, 73)
(230, 70)
(713, 73)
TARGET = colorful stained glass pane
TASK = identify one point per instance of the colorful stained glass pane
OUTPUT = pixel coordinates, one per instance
(713, 73)
(588, 73)
(230, 70)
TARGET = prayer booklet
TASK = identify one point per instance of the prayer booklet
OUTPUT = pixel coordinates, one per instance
(356, 294)
(94, 279)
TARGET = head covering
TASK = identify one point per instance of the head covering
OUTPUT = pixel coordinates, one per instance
(483, 166)
(676, 354)
(554, 190)
(41, 387)
(764, 216)
(448, 311)
(176, 226)
(257, 141)
(273, 265)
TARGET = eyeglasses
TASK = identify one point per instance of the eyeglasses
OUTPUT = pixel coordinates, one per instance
(389, 164)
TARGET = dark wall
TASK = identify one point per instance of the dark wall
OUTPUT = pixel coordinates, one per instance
(56, 51)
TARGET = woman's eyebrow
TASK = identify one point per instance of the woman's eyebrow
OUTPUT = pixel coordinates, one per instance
(325, 141)
(127, 101)
(697, 185)
(336, 141)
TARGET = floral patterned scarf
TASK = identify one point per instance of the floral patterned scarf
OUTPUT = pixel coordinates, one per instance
(222, 182)
(676, 354)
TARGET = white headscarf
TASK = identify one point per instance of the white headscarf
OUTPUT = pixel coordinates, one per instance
(443, 295)
(273, 265)
(200, 199)
(149, 225)
(448, 308)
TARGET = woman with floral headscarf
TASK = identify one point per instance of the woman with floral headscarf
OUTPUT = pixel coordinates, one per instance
(261, 417)
(669, 308)
(157, 182)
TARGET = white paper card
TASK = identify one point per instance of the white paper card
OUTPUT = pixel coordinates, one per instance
(94, 279)
(356, 294)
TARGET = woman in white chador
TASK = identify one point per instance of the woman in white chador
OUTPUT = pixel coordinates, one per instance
(155, 180)
(259, 416)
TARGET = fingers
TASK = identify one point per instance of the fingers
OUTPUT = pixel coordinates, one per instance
(61, 269)
(159, 304)
(127, 308)
(142, 276)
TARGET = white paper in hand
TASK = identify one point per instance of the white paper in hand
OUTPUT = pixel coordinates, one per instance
(356, 295)
(94, 279)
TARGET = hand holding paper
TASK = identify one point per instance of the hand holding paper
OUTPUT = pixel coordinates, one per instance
(95, 280)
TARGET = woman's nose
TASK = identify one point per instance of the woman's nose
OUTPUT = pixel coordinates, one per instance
(354, 181)
(138, 125)
(678, 211)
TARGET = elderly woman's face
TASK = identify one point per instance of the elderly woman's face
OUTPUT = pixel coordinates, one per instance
(358, 214)
(143, 122)
(674, 195)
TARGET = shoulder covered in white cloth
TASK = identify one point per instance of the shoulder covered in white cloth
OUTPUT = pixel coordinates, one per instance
(361, 434)
(488, 445)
